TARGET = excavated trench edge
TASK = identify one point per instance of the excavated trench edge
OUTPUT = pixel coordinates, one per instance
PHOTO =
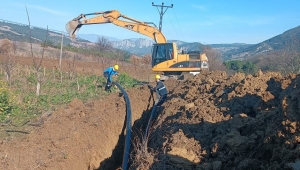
(149, 122)
(128, 128)
(126, 153)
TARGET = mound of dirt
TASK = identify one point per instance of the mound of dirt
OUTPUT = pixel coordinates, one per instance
(216, 122)
(211, 121)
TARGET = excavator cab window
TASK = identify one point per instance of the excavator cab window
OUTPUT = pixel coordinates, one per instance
(161, 53)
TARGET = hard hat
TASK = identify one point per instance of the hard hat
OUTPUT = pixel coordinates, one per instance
(157, 76)
(116, 67)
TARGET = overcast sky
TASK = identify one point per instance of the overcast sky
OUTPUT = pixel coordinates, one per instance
(204, 21)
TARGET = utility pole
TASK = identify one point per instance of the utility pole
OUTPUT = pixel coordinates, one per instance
(162, 12)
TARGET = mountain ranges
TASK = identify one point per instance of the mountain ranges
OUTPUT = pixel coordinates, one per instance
(287, 42)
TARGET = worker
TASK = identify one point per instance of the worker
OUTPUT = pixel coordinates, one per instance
(108, 73)
(161, 91)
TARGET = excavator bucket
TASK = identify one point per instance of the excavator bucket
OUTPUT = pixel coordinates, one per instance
(72, 28)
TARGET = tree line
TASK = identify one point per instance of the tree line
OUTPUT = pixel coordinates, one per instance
(246, 67)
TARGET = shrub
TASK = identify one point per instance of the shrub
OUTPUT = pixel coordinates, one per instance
(241, 66)
(6, 97)
(125, 80)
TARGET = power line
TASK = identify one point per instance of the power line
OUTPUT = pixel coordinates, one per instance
(169, 32)
(178, 25)
(172, 25)
(161, 12)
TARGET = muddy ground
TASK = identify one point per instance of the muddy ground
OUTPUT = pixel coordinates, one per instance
(211, 121)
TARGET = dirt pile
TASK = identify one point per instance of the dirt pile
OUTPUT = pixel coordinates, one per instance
(215, 122)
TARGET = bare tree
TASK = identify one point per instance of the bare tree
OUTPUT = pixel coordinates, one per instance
(119, 58)
(215, 60)
(7, 48)
(134, 60)
(14, 47)
(37, 61)
(147, 60)
(295, 64)
(282, 61)
(103, 44)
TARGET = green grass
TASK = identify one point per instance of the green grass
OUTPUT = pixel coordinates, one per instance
(21, 104)
(126, 81)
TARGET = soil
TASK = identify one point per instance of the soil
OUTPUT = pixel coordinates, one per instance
(214, 122)
(210, 121)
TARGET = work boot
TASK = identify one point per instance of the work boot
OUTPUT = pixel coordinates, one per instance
(107, 88)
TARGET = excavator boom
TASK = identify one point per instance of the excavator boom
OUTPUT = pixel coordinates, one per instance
(113, 17)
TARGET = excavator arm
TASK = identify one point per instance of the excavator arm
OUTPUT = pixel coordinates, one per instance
(113, 17)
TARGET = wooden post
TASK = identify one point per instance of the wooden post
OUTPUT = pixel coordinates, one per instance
(78, 87)
(53, 72)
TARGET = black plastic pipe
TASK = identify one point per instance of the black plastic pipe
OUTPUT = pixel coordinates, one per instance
(151, 116)
(140, 83)
(149, 122)
(128, 128)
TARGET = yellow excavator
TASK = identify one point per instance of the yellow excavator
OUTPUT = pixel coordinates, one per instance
(165, 56)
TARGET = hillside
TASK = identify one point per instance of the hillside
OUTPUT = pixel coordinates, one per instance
(141, 46)
(288, 41)
(223, 48)
(93, 37)
(20, 32)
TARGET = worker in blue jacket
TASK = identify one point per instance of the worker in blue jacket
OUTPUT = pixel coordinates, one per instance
(161, 91)
(108, 73)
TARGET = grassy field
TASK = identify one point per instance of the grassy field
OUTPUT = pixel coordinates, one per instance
(19, 102)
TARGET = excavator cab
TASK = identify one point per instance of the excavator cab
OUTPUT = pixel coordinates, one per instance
(162, 52)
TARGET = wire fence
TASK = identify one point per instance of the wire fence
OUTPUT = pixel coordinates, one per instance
(32, 27)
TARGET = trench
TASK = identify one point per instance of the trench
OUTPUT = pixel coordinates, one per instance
(121, 153)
